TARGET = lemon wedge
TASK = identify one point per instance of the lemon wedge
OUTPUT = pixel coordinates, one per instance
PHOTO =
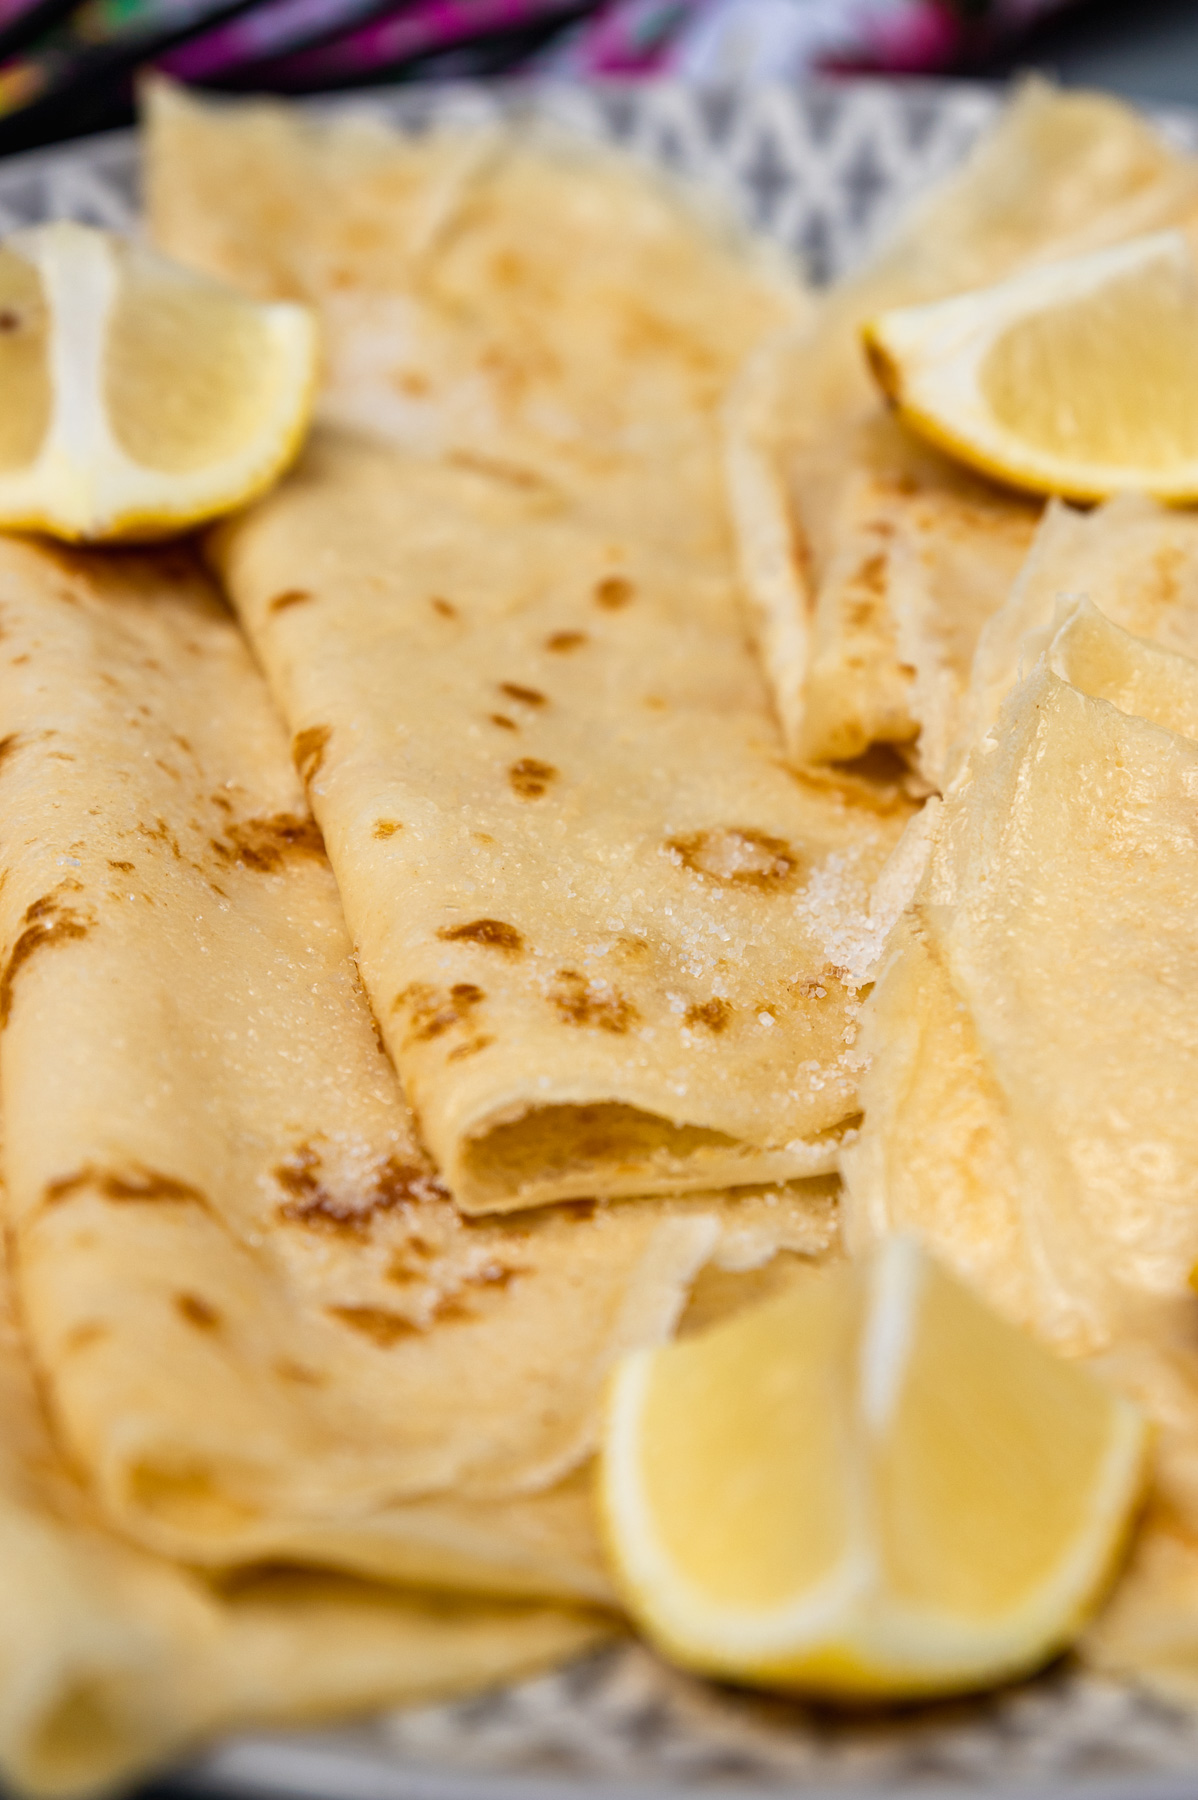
(869, 1486)
(139, 398)
(1077, 378)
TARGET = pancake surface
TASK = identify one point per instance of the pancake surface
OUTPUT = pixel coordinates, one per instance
(608, 935)
(209, 1152)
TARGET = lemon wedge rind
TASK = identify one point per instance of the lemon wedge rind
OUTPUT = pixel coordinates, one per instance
(931, 362)
(848, 1636)
(82, 484)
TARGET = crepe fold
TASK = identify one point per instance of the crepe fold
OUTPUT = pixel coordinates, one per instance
(112, 1659)
(608, 935)
(264, 1329)
(512, 290)
(1029, 1107)
(873, 561)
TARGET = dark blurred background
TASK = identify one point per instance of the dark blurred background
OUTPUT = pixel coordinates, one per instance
(1146, 48)
(68, 67)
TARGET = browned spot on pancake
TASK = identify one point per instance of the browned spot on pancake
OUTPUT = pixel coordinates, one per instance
(223, 802)
(385, 1328)
(494, 934)
(737, 856)
(374, 1322)
(636, 949)
(47, 922)
(562, 642)
(864, 591)
(482, 837)
(160, 833)
(582, 1002)
(263, 843)
(126, 868)
(578, 1210)
(525, 695)
(292, 597)
(82, 1336)
(136, 1182)
(140, 1183)
(287, 1370)
(496, 1274)
(530, 778)
(385, 828)
(817, 987)
(714, 1014)
(411, 382)
(18, 660)
(8, 745)
(446, 608)
(314, 1204)
(433, 1011)
(503, 722)
(307, 751)
(471, 1047)
(614, 592)
(197, 1312)
(513, 474)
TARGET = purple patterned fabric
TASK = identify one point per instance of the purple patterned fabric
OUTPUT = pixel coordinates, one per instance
(325, 43)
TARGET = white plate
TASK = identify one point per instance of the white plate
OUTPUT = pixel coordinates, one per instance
(823, 169)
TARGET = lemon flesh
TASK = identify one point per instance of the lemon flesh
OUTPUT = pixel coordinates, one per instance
(872, 1486)
(1077, 378)
(139, 399)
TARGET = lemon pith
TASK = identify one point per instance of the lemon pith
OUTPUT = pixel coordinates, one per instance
(1077, 378)
(140, 399)
(871, 1486)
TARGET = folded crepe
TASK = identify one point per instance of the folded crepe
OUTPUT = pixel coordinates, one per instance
(872, 561)
(1034, 1026)
(1029, 1107)
(263, 1327)
(112, 1659)
(608, 935)
(1133, 559)
(507, 292)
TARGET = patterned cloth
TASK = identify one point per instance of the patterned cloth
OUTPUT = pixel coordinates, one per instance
(68, 65)
(778, 39)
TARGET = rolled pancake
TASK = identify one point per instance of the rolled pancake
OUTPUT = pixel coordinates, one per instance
(111, 1660)
(262, 1325)
(871, 561)
(604, 928)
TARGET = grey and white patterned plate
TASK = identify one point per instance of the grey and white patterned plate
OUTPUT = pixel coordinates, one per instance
(822, 170)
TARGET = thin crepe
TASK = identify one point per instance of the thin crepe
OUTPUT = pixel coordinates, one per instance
(1035, 1023)
(111, 1660)
(872, 562)
(606, 931)
(1028, 1108)
(1133, 559)
(263, 1327)
(506, 292)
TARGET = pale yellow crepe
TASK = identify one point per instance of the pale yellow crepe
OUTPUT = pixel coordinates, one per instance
(1029, 1109)
(1134, 559)
(873, 562)
(112, 1660)
(261, 1323)
(511, 294)
(608, 935)
(1056, 922)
